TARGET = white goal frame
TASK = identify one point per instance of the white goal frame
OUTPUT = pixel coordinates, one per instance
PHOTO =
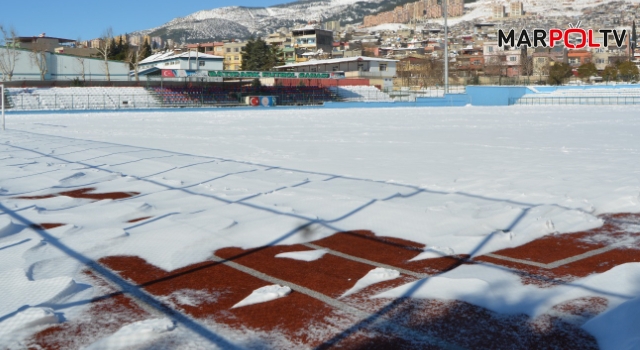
(2, 97)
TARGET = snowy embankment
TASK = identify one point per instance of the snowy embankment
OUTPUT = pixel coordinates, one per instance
(458, 180)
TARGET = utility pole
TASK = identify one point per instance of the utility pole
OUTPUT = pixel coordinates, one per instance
(446, 48)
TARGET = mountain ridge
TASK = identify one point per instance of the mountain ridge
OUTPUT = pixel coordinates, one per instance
(241, 22)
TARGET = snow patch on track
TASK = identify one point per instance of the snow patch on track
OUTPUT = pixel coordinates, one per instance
(263, 295)
(374, 276)
(307, 255)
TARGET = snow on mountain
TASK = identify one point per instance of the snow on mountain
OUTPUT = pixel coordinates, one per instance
(238, 22)
(242, 22)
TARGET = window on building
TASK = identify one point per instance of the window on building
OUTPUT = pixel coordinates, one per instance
(228, 49)
(383, 67)
(236, 58)
(513, 58)
(201, 63)
(236, 49)
(490, 49)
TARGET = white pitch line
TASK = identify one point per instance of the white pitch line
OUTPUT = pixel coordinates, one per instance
(365, 261)
(558, 263)
(361, 315)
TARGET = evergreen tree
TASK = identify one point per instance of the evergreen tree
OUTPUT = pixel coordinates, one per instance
(610, 73)
(114, 48)
(587, 70)
(145, 50)
(260, 56)
(628, 71)
(558, 73)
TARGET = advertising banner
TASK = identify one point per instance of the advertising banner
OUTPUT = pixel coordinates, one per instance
(284, 75)
(261, 101)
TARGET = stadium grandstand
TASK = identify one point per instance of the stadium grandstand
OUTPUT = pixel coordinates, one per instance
(234, 95)
(206, 95)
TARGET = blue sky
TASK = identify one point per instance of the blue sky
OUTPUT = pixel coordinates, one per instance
(87, 19)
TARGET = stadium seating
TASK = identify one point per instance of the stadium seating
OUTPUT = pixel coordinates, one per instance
(96, 98)
(56, 98)
(232, 95)
(360, 93)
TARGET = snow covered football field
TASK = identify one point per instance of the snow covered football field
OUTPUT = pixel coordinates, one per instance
(176, 187)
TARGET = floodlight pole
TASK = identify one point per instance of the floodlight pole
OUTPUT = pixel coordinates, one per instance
(446, 48)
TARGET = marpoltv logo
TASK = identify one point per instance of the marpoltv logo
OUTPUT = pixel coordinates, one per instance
(550, 38)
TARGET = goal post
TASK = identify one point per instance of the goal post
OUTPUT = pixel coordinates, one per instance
(2, 98)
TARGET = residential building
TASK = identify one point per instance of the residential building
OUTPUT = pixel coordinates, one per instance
(413, 11)
(96, 43)
(544, 58)
(312, 39)
(289, 55)
(469, 61)
(278, 39)
(233, 55)
(576, 58)
(498, 11)
(331, 25)
(516, 9)
(214, 48)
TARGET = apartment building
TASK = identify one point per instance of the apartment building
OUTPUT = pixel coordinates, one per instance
(312, 39)
(233, 55)
(214, 48)
(516, 9)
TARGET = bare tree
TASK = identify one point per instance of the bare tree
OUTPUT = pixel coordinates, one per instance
(81, 67)
(9, 53)
(420, 71)
(133, 58)
(39, 59)
(496, 65)
(105, 49)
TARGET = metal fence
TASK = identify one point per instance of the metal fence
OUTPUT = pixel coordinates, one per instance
(34, 102)
(577, 100)
(81, 102)
(408, 95)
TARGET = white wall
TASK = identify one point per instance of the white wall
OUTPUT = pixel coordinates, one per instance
(209, 64)
(63, 67)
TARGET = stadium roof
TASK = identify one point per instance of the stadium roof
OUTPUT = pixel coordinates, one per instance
(28, 39)
(170, 55)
